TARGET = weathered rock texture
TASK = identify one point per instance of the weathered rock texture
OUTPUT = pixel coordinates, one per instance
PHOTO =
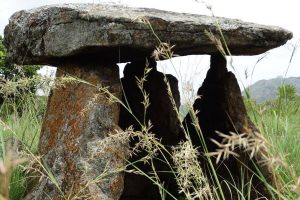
(221, 108)
(49, 34)
(74, 141)
(165, 123)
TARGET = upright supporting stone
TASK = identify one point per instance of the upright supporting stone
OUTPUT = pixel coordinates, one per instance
(221, 108)
(165, 123)
(77, 122)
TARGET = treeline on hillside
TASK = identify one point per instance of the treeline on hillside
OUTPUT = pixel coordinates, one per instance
(265, 90)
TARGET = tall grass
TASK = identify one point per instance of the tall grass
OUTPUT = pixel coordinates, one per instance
(20, 122)
(280, 125)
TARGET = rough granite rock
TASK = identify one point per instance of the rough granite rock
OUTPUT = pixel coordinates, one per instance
(166, 126)
(49, 34)
(74, 138)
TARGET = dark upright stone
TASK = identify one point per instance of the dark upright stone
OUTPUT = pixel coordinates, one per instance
(163, 117)
(221, 108)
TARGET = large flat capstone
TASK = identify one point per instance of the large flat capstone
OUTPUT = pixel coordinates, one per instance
(50, 34)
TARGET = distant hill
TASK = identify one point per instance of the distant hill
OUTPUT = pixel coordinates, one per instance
(267, 89)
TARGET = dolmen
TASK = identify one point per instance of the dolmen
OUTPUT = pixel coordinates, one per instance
(86, 41)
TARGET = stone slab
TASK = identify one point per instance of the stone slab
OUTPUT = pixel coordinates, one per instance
(49, 34)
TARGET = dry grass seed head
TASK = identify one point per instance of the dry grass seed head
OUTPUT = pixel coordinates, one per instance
(216, 41)
(64, 80)
(249, 142)
(102, 92)
(189, 174)
(17, 87)
(164, 50)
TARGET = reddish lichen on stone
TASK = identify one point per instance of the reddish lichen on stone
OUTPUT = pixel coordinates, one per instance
(79, 116)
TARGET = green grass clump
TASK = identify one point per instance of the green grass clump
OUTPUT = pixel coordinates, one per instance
(22, 120)
(279, 122)
(20, 124)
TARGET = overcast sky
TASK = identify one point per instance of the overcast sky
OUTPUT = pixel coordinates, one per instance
(284, 13)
